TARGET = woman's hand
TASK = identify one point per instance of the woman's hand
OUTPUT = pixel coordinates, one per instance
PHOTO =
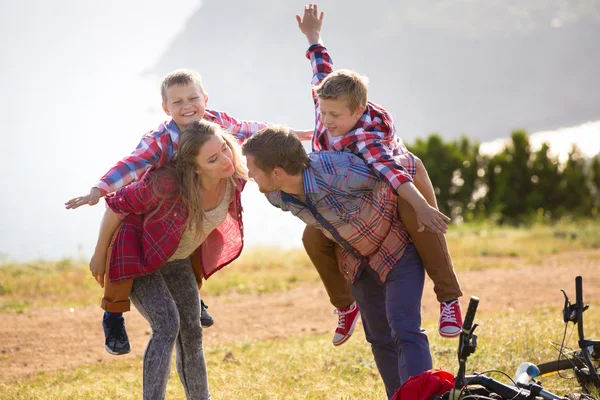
(98, 266)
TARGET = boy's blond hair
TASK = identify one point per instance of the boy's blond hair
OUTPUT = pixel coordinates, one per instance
(180, 77)
(347, 85)
(276, 146)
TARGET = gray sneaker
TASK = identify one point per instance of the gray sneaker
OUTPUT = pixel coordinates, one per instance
(116, 341)
(205, 319)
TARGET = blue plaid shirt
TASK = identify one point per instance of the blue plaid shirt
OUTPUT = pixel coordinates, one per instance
(349, 204)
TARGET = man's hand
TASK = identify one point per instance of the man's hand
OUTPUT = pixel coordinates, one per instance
(310, 23)
(98, 266)
(92, 198)
(304, 135)
(431, 218)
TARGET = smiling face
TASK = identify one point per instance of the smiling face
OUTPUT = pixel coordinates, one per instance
(215, 159)
(185, 104)
(337, 116)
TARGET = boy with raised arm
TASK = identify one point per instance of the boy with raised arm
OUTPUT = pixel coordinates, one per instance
(184, 100)
(339, 195)
(346, 121)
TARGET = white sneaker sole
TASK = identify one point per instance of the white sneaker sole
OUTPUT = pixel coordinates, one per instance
(350, 332)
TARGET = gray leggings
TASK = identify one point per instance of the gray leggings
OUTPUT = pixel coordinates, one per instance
(168, 299)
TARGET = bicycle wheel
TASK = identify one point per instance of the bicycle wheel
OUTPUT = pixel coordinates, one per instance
(560, 365)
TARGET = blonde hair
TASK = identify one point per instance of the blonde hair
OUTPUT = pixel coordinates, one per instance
(184, 168)
(274, 147)
(347, 85)
(180, 77)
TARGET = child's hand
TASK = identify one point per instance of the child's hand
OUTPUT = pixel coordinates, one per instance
(92, 198)
(304, 135)
(98, 266)
(310, 23)
(431, 218)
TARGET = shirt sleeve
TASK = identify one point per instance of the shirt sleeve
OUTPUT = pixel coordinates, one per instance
(382, 162)
(136, 198)
(321, 62)
(147, 154)
(240, 129)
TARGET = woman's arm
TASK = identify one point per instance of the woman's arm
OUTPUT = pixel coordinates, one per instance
(109, 225)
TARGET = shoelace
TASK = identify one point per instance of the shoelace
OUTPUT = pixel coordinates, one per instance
(448, 313)
(342, 315)
(117, 333)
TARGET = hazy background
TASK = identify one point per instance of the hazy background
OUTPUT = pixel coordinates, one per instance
(79, 86)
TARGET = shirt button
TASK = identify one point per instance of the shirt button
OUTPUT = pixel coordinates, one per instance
(175, 214)
(317, 215)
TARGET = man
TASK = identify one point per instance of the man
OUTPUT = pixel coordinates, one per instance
(337, 193)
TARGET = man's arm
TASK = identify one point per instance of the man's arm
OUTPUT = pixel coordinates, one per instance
(109, 225)
(147, 153)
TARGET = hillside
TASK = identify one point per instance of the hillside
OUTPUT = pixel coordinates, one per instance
(479, 67)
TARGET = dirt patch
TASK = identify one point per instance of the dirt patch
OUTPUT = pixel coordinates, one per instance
(48, 339)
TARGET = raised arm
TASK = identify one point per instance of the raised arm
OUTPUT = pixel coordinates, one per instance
(148, 153)
(310, 23)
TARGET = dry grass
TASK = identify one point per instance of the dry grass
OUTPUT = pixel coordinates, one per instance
(259, 270)
(308, 367)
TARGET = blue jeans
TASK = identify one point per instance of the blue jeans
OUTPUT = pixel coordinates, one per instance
(391, 317)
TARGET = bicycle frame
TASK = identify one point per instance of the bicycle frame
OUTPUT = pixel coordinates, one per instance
(584, 343)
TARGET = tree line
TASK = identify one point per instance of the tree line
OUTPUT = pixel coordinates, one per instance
(513, 186)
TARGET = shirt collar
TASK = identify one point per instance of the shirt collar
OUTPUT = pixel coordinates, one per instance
(173, 130)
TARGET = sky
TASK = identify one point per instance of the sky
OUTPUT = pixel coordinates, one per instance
(74, 102)
(75, 98)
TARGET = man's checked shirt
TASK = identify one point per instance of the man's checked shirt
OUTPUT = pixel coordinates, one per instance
(347, 196)
(158, 147)
(372, 138)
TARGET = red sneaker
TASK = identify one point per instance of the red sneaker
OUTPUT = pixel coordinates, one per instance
(347, 318)
(450, 319)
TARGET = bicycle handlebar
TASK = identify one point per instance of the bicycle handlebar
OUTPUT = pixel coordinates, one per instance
(470, 315)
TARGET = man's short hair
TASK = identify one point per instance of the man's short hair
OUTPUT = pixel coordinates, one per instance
(344, 84)
(180, 77)
(274, 147)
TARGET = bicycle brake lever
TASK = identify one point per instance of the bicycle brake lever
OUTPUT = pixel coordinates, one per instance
(569, 310)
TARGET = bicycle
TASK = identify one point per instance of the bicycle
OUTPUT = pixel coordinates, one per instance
(480, 386)
(584, 360)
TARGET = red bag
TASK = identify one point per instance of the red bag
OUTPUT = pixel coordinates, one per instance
(424, 386)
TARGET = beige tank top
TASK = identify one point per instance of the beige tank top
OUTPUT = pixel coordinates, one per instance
(191, 238)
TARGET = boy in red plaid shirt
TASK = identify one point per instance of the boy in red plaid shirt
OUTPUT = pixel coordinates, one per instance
(184, 99)
(347, 121)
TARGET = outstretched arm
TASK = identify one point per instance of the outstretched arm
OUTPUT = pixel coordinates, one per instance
(90, 199)
(148, 153)
(310, 23)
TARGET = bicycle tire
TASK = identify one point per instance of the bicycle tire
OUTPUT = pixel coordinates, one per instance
(560, 365)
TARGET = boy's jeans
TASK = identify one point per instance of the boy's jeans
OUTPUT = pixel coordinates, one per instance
(391, 317)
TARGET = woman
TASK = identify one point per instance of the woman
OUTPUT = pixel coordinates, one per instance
(179, 223)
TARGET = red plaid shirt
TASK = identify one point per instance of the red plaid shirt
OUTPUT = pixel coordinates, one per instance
(373, 137)
(158, 147)
(151, 231)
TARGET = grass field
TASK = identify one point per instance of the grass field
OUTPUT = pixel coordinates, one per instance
(306, 366)
(473, 247)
